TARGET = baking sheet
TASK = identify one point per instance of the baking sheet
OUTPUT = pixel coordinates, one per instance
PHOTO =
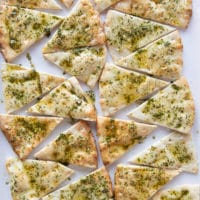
(191, 70)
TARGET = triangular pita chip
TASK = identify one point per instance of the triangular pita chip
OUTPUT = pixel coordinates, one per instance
(24, 133)
(22, 85)
(126, 33)
(117, 136)
(120, 87)
(175, 13)
(81, 28)
(96, 185)
(175, 151)
(182, 192)
(103, 4)
(84, 63)
(42, 4)
(74, 146)
(161, 58)
(135, 182)
(21, 27)
(33, 179)
(173, 107)
(67, 3)
(68, 100)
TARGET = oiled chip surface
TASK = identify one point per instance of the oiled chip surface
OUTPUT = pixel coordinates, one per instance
(140, 183)
(172, 107)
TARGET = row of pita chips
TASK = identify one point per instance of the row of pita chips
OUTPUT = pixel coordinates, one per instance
(30, 180)
(37, 4)
(175, 13)
(136, 182)
(131, 182)
(115, 137)
(65, 98)
(118, 88)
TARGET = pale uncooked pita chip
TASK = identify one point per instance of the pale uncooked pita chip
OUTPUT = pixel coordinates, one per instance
(22, 85)
(68, 100)
(161, 58)
(120, 87)
(24, 133)
(81, 28)
(126, 33)
(175, 151)
(84, 63)
(175, 13)
(33, 179)
(74, 146)
(116, 137)
(135, 182)
(21, 27)
(96, 185)
(173, 107)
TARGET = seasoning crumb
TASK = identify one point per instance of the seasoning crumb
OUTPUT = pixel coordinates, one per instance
(28, 56)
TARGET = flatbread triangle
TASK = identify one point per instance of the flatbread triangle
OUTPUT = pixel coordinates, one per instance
(74, 146)
(175, 151)
(136, 182)
(175, 13)
(126, 33)
(42, 4)
(104, 4)
(21, 27)
(33, 179)
(96, 185)
(161, 58)
(67, 100)
(81, 28)
(172, 107)
(24, 133)
(119, 88)
(84, 63)
(179, 192)
(116, 137)
(22, 85)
